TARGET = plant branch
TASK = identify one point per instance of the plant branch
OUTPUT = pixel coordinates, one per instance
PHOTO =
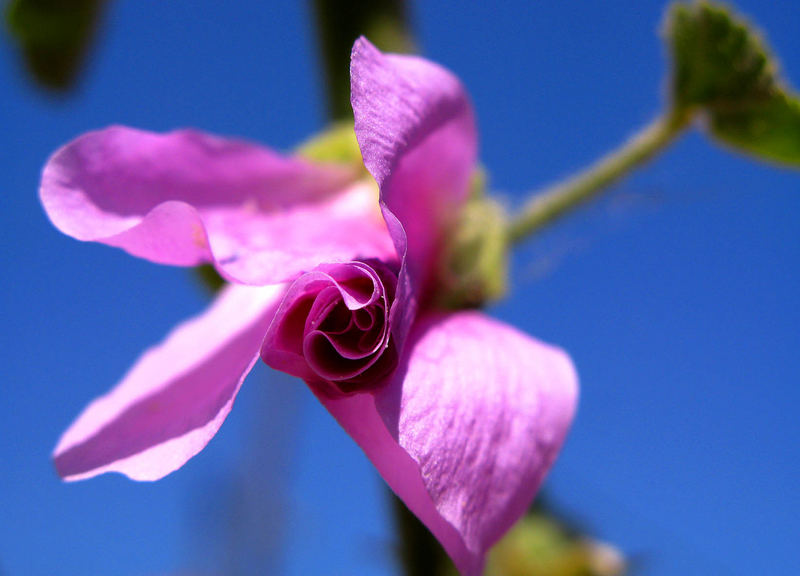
(548, 205)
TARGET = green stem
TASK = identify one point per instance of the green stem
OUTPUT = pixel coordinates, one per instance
(545, 207)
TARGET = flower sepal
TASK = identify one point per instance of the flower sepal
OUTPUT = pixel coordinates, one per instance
(474, 270)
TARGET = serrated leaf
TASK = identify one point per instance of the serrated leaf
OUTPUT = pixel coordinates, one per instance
(54, 36)
(724, 68)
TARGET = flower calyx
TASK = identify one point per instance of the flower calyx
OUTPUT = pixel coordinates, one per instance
(474, 268)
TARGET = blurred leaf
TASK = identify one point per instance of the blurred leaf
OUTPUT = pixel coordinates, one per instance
(717, 59)
(54, 36)
(209, 278)
(723, 67)
(770, 129)
(540, 545)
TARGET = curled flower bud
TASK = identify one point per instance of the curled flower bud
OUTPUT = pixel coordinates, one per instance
(334, 327)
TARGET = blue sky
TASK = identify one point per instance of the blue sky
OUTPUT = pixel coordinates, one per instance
(676, 296)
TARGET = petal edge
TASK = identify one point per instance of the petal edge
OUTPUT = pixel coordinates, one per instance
(416, 131)
(185, 197)
(463, 440)
(175, 398)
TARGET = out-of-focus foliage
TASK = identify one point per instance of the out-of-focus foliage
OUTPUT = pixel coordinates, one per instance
(543, 543)
(337, 144)
(209, 278)
(54, 36)
(723, 67)
(540, 545)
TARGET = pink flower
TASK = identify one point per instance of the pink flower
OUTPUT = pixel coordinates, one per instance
(461, 414)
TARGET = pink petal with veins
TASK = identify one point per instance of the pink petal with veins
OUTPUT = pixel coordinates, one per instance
(175, 398)
(184, 198)
(417, 134)
(468, 428)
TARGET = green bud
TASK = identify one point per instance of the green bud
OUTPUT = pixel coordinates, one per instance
(475, 265)
(723, 68)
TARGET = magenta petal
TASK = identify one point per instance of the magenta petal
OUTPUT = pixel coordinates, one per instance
(184, 197)
(417, 134)
(467, 431)
(173, 401)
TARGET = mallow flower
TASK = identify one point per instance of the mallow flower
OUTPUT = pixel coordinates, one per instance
(330, 279)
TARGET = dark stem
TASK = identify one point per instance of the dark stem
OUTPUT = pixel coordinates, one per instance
(386, 24)
(339, 22)
(420, 553)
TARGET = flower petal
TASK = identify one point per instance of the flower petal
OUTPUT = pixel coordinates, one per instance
(185, 197)
(416, 131)
(467, 431)
(176, 397)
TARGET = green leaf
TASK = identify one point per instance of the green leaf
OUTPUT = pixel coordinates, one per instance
(54, 36)
(770, 130)
(724, 68)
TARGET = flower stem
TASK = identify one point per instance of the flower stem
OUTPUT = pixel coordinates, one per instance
(558, 200)
(419, 552)
(386, 24)
(339, 23)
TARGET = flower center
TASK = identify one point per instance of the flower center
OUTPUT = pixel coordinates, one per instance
(334, 327)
